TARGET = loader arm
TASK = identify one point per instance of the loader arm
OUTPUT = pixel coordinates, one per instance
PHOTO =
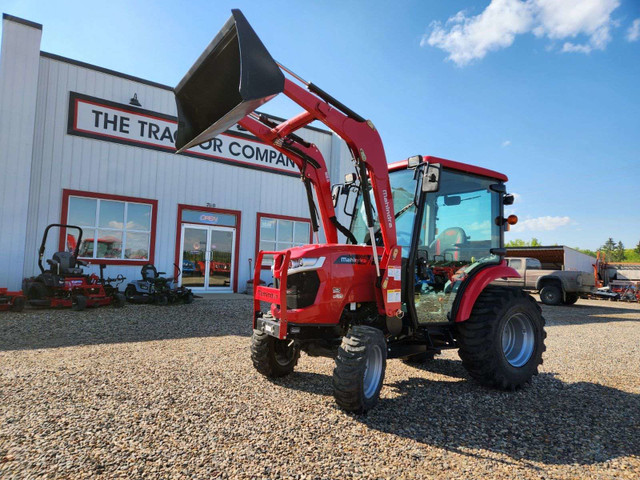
(312, 167)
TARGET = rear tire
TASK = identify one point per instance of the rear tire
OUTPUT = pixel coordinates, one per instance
(18, 304)
(360, 368)
(271, 356)
(130, 292)
(571, 298)
(551, 295)
(501, 344)
(37, 291)
(188, 298)
(79, 303)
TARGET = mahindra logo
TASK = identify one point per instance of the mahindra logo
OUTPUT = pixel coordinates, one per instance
(387, 207)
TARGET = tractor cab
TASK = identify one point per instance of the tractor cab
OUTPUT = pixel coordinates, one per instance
(446, 234)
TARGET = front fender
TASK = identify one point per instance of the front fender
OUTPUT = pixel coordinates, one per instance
(477, 284)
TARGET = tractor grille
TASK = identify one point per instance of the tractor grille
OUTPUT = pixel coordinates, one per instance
(302, 289)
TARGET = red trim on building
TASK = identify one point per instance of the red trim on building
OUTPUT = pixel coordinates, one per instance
(260, 215)
(66, 193)
(236, 213)
(461, 167)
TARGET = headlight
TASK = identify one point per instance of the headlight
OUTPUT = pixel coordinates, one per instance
(305, 263)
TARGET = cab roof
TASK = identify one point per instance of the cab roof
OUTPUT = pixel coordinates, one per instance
(461, 167)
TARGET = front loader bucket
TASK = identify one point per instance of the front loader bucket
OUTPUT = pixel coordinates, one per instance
(233, 76)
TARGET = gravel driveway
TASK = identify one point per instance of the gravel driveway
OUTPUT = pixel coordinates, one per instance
(170, 392)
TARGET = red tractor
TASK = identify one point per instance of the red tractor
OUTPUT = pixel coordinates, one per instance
(64, 284)
(374, 296)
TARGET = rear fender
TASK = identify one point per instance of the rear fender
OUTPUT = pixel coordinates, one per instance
(477, 284)
(551, 280)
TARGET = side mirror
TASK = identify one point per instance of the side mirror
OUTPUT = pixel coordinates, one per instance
(350, 178)
(352, 199)
(336, 190)
(431, 178)
(414, 161)
(508, 199)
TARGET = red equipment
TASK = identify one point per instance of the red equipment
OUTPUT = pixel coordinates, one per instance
(13, 301)
(359, 302)
(65, 285)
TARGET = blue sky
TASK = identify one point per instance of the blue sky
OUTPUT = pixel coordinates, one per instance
(546, 91)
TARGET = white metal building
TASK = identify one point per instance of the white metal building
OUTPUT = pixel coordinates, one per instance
(75, 148)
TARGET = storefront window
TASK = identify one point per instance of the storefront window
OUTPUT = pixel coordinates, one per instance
(112, 229)
(277, 234)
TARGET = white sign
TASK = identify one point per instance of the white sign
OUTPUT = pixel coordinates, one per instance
(105, 120)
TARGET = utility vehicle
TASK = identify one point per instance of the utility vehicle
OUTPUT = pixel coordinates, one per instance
(375, 295)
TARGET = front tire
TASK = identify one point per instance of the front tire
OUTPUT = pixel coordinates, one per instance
(571, 298)
(79, 303)
(501, 344)
(360, 368)
(119, 300)
(273, 357)
(551, 295)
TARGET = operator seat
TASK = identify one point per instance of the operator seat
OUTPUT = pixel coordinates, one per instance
(64, 263)
(448, 244)
(151, 274)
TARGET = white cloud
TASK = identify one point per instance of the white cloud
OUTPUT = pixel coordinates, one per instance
(506, 143)
(633, 33)
(467, 38)
(541, 223)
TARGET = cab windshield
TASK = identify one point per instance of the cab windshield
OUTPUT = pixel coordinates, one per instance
(458, 223)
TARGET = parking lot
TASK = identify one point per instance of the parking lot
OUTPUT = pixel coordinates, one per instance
(170, 392)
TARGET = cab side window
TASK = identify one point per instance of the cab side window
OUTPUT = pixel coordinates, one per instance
(515, 263)
(534, 264)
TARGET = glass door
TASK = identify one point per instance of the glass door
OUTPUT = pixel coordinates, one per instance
(221, 243)
(194, 261)
(207, 257)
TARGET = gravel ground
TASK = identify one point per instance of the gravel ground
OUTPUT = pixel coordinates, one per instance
(170, 392)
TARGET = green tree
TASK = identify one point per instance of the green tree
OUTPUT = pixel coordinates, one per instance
(637, 249)
(619, 252)
(535, 242)
(516, 243)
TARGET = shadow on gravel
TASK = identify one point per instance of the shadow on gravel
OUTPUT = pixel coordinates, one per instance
(133, 323)
(583, 314)
(309, 382)
(549, 422)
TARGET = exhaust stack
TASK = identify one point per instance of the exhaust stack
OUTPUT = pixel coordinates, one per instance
(233, 77)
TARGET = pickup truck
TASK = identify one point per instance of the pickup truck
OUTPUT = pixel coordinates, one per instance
(555, 286)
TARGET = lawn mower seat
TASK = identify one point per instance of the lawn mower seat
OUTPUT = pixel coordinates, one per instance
(448, 244)
(150, 274)
(64, 263)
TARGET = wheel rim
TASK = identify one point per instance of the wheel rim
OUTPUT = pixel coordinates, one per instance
(518, 340)
(372, 371)
(283, 353)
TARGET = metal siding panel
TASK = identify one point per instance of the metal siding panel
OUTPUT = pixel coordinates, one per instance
(19, 66)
